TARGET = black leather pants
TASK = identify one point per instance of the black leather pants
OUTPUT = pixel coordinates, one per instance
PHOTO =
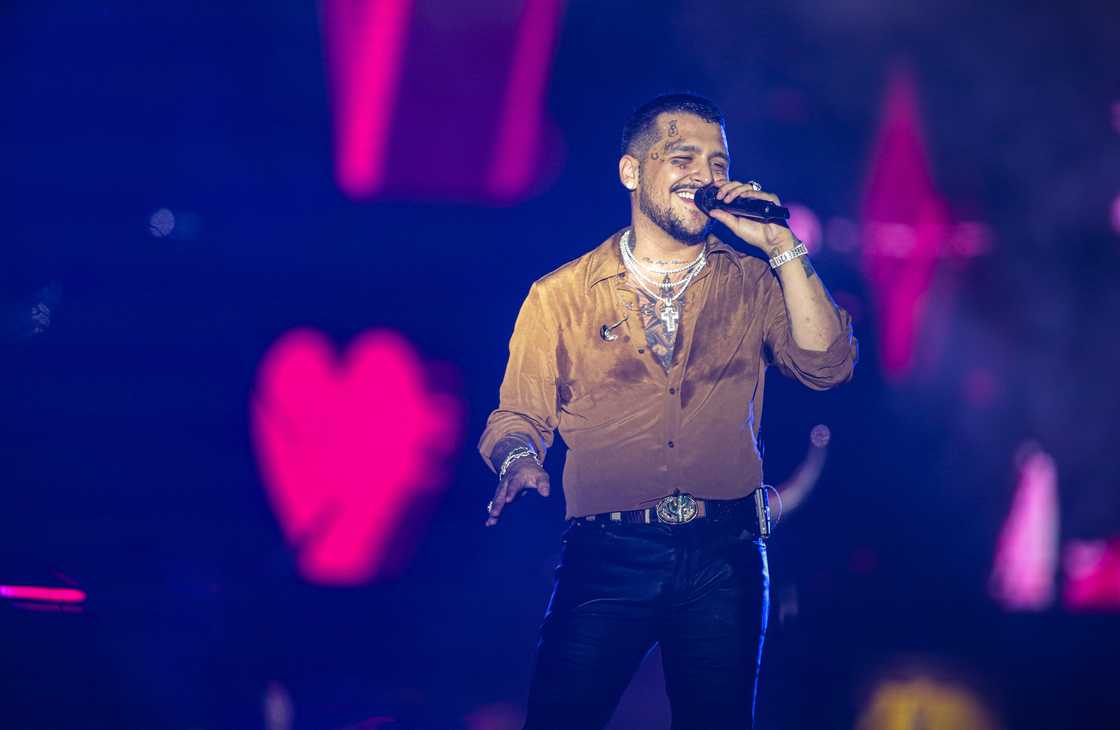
(701, 590)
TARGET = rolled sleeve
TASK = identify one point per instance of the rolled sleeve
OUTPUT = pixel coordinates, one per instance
(817, 370)
(527, 399)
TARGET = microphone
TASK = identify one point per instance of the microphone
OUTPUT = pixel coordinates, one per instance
(760, 210)
(605, 330)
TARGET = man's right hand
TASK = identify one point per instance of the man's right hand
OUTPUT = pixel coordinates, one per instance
(522, 474)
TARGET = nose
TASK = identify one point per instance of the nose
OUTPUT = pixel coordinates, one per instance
(701, 175)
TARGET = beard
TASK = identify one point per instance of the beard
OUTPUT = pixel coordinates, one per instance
(670, 222)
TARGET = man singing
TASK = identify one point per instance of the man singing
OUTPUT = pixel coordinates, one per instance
(649, 353)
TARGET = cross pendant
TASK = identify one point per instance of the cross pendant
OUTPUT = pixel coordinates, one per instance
(669, 316)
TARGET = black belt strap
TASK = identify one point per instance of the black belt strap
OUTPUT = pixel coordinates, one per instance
(712, 509)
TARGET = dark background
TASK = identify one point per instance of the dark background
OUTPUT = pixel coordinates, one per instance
(127, 461)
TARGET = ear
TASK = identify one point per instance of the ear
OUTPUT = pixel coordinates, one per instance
(628, 171)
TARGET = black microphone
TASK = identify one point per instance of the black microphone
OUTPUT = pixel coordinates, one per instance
(753, 208)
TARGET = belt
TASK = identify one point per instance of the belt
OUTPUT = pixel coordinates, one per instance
(679, 509)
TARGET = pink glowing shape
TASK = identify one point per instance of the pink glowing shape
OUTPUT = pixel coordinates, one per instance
(346, 445)
(1092, 570)
(518, 144)
(1114, 214)
(422, 103)
(806, 225)
(365, 42)
(904, 223)
(1026, 555)
(36, 593)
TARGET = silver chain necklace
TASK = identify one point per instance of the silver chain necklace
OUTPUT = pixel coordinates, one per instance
(629, 255)
(666, 311)
(642, 272)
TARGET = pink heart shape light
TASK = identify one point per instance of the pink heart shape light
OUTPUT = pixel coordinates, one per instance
(346, 444)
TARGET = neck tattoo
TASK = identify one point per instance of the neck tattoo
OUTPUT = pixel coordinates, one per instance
(662, 291)
(666, 262)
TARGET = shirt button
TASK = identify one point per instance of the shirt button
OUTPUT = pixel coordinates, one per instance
(670, 444)
(672, 391)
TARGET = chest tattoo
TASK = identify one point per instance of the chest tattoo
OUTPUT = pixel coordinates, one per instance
(660, 339)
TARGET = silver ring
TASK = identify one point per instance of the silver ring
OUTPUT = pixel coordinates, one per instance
(754, 185)
(490, 506)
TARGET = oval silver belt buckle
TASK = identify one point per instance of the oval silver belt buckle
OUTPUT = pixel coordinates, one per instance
(677, 509)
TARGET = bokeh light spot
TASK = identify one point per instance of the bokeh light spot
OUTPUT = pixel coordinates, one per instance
(805, 224)
(161, 223)
(924, 702)
(1027, 550)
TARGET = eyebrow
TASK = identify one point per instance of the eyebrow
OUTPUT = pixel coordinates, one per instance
(681, 146)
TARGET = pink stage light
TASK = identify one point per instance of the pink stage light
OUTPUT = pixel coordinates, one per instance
(47, 595)
(806, 225)
(346, 446)
(1027, 551)
(516, 157)
(905, 224)
(1115, 213)
(365, 42)
(1092, 570)
(436, 104)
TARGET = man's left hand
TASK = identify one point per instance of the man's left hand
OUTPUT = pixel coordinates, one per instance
(772, 238)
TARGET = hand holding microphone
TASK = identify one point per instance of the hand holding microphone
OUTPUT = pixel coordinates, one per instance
(755, 216)
(764, 211)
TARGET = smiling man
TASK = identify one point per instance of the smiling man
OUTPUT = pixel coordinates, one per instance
(649, 354)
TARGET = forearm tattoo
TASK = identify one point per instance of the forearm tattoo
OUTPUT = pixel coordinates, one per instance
(807, 265)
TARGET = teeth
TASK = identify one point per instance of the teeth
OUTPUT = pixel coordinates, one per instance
(686, 194)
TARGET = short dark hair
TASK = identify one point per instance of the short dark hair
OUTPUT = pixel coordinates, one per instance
(639, 133)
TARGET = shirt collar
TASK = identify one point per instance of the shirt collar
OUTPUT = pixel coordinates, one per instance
(606, 261)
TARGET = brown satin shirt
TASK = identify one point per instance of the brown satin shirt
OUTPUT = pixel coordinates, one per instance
(635, 433)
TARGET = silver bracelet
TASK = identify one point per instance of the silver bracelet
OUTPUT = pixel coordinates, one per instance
(790, 255)
(518, 453)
